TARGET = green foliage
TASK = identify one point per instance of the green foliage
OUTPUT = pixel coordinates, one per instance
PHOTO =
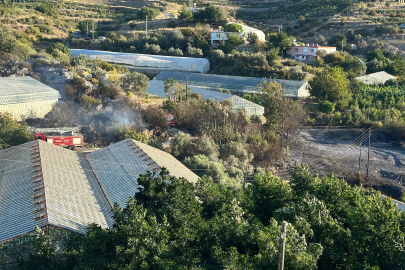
(11, 132)
(164, 226)
(136, 82)
(252, 38)
(171, 24)
(233, 27)
(89, 103)
(331, 84)
(152, 13)
(48, 9)
(212, 14)
(127, 132)
(185, 13)
(338, 40)
(155, 117)
(281, 40)
(327, 107)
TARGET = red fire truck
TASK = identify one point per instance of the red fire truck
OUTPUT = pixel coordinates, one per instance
(65, 137)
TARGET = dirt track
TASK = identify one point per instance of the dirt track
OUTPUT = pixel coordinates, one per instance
(337, 151)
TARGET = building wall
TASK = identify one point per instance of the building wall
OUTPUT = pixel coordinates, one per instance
(309, 50)
(22, 111)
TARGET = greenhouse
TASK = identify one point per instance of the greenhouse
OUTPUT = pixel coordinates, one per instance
(62, 191)
(148, 61)
(235, 84)
(156, 87)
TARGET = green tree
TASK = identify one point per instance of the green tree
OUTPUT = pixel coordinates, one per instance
(331, 84)
(338, 40)
(152, 13)
(281, 40)
(252, 38)
(136, 82)
(233, 27)
(185, 13)
(11, 132)
(169, 87)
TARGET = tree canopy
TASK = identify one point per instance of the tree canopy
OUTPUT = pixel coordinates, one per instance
(331, 84)
(173, 224)
(12, 133)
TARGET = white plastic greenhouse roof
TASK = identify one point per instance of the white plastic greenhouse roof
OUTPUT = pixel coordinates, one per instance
(247, 29)
(156, 87)
(24, 89)
(376, 78)
(44, 184)
(234, 83)
(161, 62)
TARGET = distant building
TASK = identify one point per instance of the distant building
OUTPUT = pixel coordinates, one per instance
(25, 97)
(219, 36)
(235, 84)
(63, 191)
(156, 87)
(308, 52)
(148, 61)
(376, 78)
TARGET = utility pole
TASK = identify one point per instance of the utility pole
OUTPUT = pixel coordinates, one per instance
(360, 156)
(87, 25)
(281, 249)
(368, 154)
(146, 31)
(93, 29)
(186, 87)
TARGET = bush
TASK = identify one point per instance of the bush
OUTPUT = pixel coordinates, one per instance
(327, 107)
(171, 24)
(89, 102)
(156, 118)
(152, 13)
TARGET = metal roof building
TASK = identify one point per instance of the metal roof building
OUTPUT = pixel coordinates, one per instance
(44, 185)
(235, 84)
(149, 61)
(25, 97)
(156, 87)
(376, 78)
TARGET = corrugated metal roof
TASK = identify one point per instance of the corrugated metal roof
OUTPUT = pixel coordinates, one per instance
(164, 159)
(148, 60)
(74, 198)
(156, 87)
(233, 83)
(376, 78)
(24, 89)
(120, 164)
(44, 184)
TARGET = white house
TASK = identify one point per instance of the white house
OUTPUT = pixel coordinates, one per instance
(221, 36)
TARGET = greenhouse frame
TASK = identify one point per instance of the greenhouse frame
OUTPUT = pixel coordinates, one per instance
(156, 87)
(148, 61)
(235, 84)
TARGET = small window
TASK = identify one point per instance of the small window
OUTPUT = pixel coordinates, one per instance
(313, 50)
(295, 49)
(305, 49)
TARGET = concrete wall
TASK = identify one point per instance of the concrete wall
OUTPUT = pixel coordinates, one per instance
(22, 111)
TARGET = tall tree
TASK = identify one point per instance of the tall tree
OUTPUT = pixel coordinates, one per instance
(331, 84)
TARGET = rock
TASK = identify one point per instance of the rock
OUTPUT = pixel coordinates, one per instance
(57, 78)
